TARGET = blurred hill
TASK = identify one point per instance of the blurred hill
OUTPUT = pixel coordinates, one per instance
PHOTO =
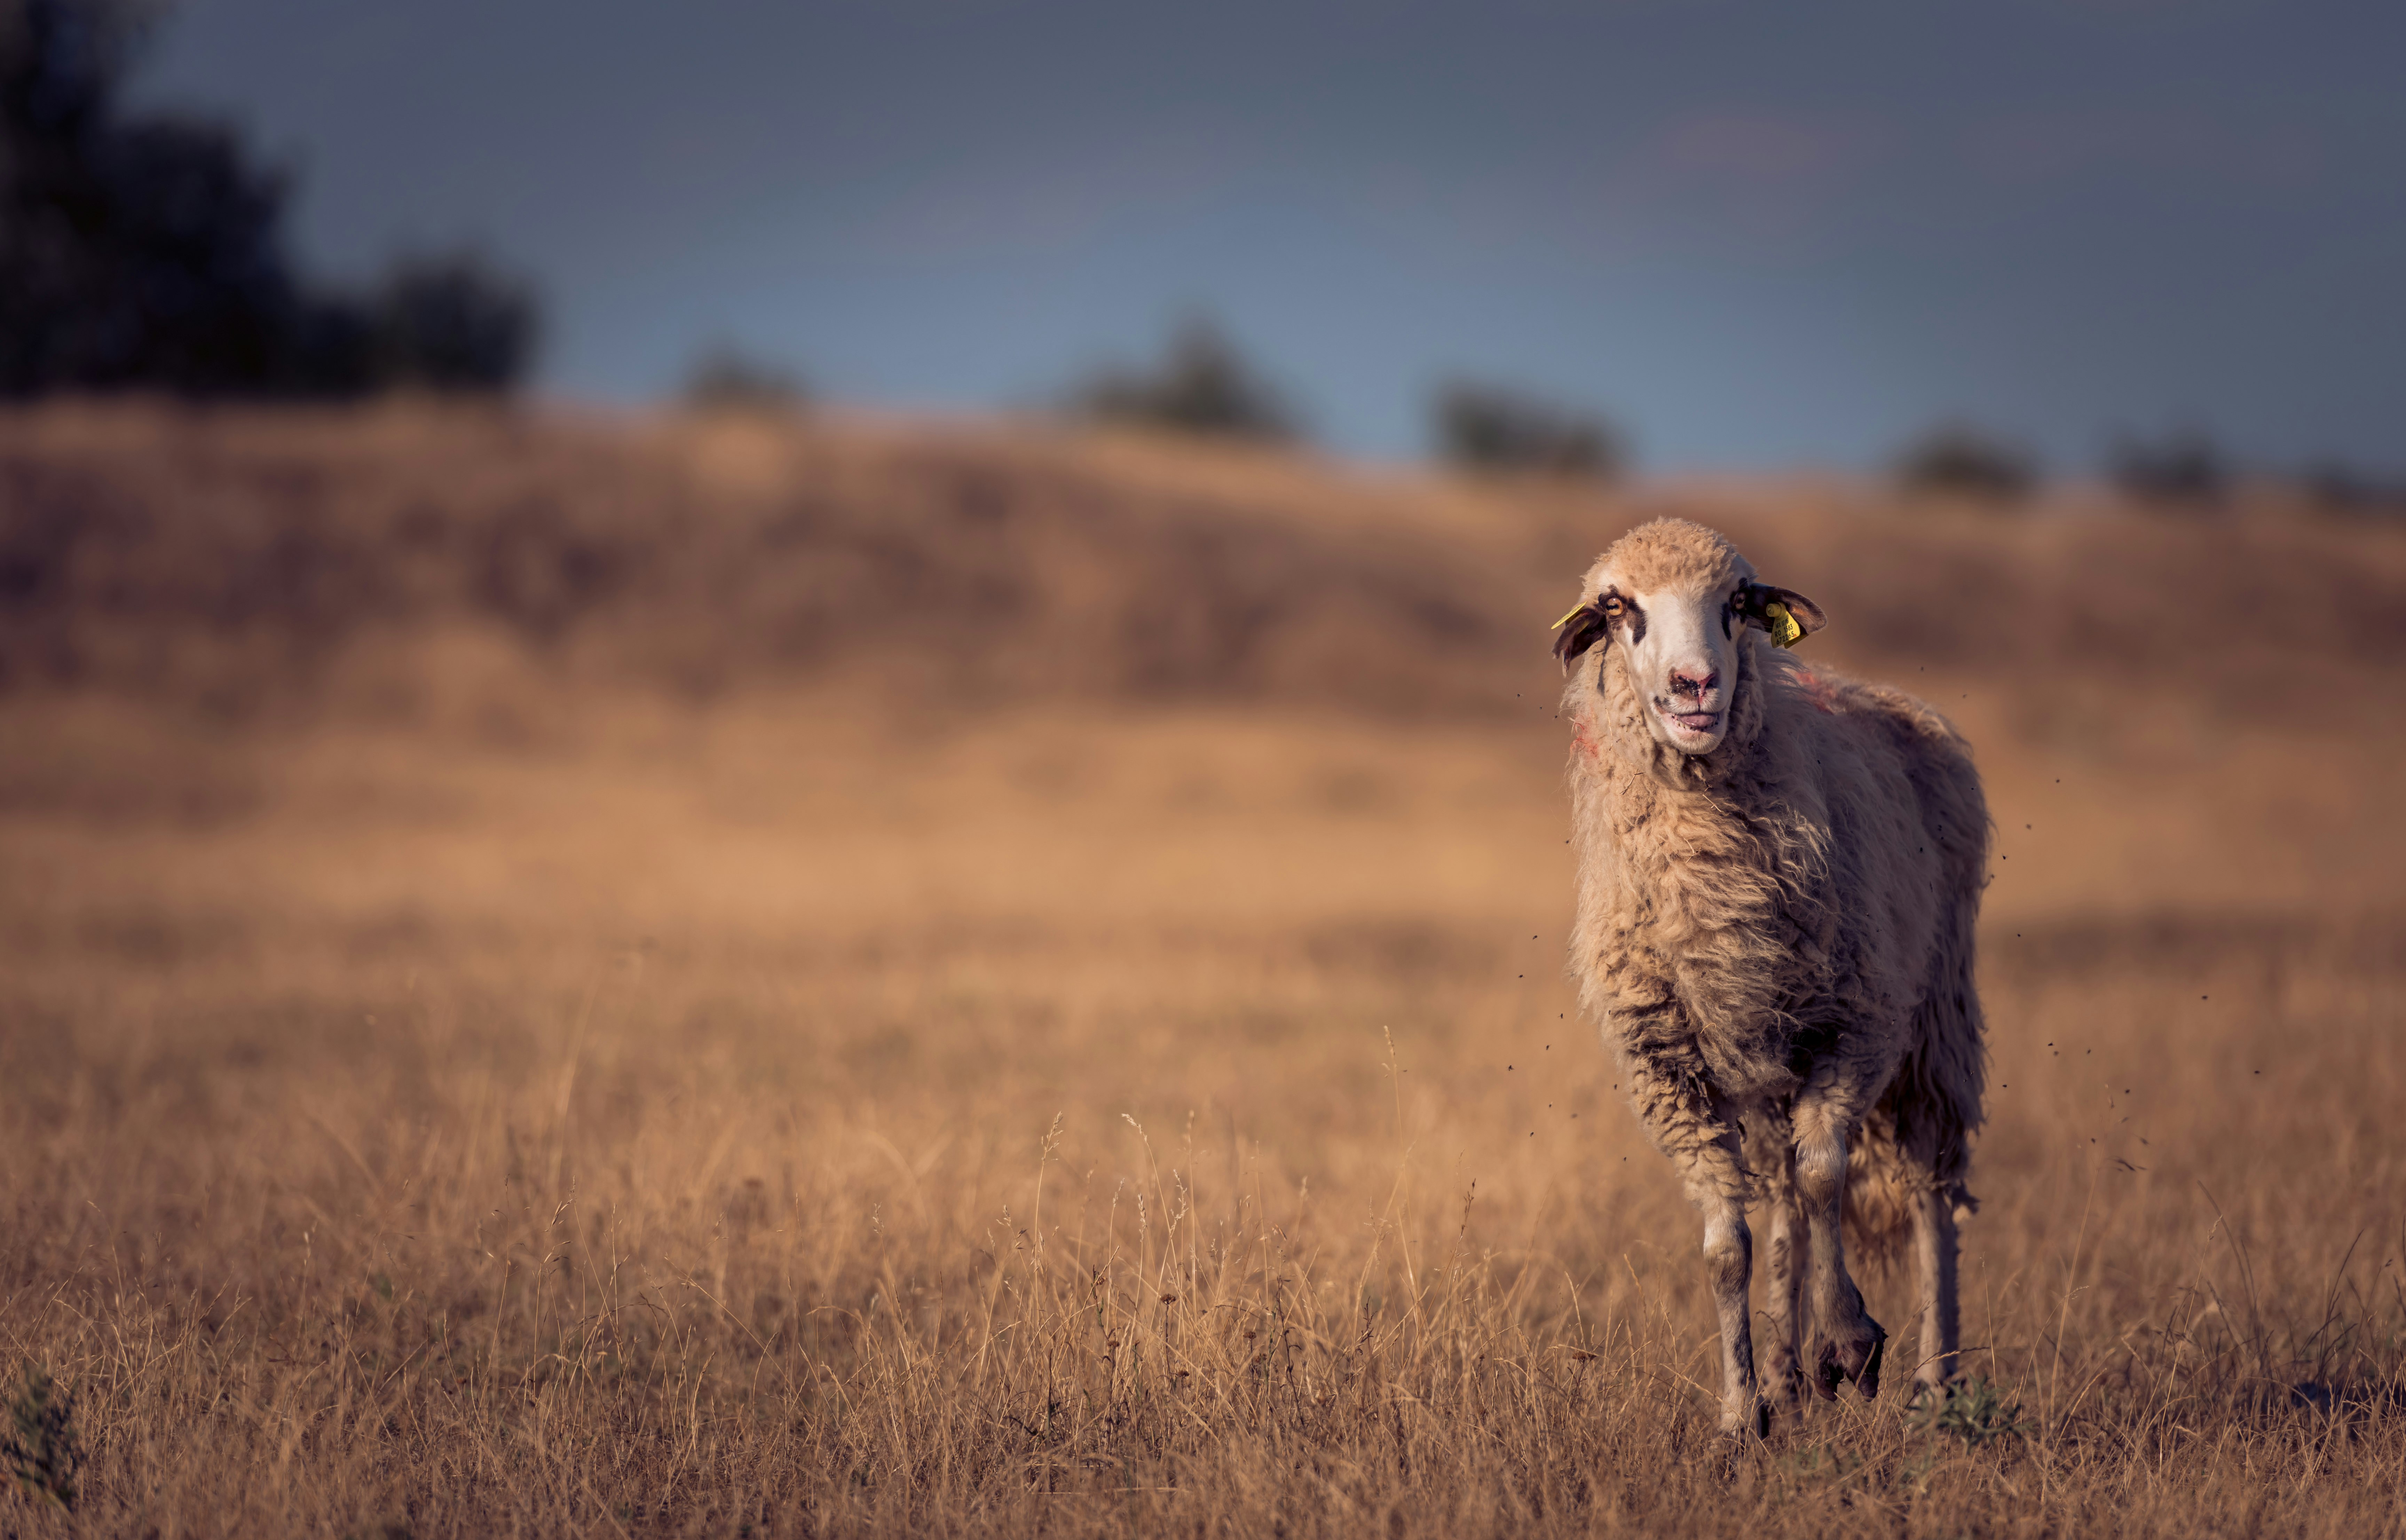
(243, 559)
(751, 848)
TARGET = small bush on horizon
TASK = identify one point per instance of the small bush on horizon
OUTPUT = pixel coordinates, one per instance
(2183, 467)
(1200, 384)
(452, 320)
(726, 378)
(2338, 487)
(1483, 427)
(1959, 460)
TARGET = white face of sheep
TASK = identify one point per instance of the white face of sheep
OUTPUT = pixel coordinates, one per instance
(1680, 643)
(1680, 649)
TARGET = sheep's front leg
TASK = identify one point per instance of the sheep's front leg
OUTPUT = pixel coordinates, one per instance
(1728, 1260)
(1933, 1254)
(1782, 1374)
(1703, 1143)
(1851, 1342)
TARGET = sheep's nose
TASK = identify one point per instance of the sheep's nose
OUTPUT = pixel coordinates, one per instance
(1684, 683)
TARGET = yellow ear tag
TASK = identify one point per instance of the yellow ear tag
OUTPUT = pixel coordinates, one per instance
(1785, 632)
(1567, 619)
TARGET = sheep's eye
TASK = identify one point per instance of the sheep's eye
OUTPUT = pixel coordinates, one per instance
(1612, 604)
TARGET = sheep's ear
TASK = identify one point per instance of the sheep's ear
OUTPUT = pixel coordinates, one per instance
(1786, 615)
(1582, 629)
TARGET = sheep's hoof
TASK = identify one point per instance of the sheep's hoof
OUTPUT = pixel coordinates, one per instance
(1858, 1361)
(1752, 1417)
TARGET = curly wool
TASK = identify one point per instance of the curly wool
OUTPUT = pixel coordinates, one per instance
(1798, 902)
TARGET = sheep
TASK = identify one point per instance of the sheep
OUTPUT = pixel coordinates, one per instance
(1779, 874)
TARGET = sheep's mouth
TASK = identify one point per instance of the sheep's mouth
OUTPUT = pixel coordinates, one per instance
(1693, 721)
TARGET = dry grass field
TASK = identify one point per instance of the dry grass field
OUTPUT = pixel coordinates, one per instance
(736, 977)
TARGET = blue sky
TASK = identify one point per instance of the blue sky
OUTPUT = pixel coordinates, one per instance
(1755, 234)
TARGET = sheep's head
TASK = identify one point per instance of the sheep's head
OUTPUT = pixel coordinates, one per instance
(1675, 599)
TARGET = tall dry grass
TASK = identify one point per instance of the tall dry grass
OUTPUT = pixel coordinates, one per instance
(544, 1106)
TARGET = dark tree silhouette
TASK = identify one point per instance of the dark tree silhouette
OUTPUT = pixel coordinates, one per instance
(1957, 459)
(1493, 428)
(140, 253)
(453, 322)
(726, 378)
(150, 251)
(2182, 467)
(1201, 385)
(2349, 489)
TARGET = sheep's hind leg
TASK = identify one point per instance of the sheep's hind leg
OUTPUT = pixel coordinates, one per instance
(1933, 1254)
(1851, 1342)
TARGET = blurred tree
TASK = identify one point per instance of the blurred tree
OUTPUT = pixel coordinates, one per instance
(150, 251)
(2342, 488)
(2184, 466)
(1201, 385)
(452, 321)
(1957, 460)
(128, 253)
(1490, 428)
(726, 378)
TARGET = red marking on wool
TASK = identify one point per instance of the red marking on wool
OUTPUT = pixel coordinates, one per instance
(1819, 691)
(1578, 735)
